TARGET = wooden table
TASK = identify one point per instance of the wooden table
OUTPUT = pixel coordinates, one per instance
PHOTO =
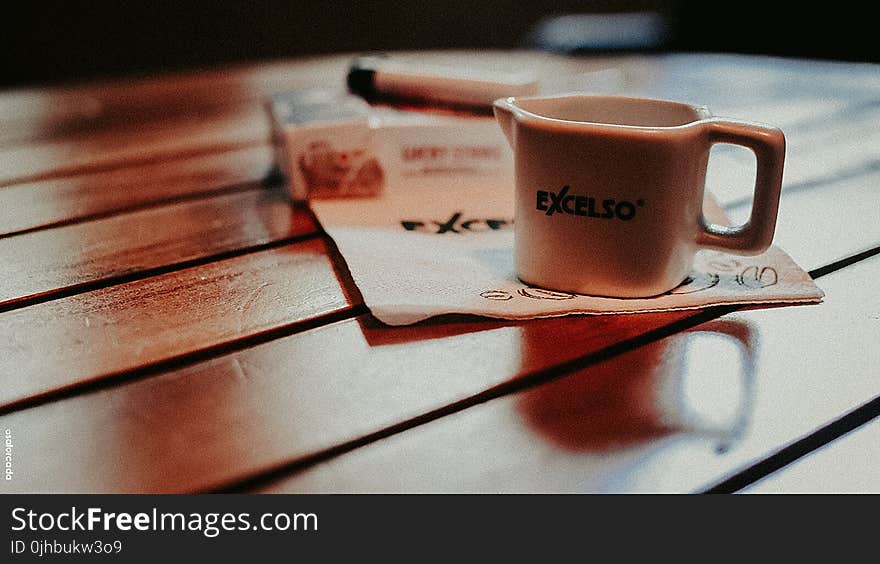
(169, 322)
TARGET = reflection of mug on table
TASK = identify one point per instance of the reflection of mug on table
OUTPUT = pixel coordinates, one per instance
(653, 391)
(609, 191)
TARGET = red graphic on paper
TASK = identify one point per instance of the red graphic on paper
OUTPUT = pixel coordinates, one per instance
(332, 173)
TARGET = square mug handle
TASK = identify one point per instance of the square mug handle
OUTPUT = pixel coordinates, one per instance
(768, 145)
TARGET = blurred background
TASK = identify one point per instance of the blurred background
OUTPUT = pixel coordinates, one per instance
(59, 42)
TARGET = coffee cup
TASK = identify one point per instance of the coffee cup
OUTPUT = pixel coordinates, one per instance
(609, 191)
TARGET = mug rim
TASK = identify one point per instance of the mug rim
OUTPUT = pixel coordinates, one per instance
(701, 112)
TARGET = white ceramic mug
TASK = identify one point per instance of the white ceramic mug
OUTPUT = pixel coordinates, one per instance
(609, 190)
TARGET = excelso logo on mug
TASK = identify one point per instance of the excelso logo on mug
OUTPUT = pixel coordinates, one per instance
(586, 206)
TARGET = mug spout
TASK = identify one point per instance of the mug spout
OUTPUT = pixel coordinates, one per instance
(503, 109)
